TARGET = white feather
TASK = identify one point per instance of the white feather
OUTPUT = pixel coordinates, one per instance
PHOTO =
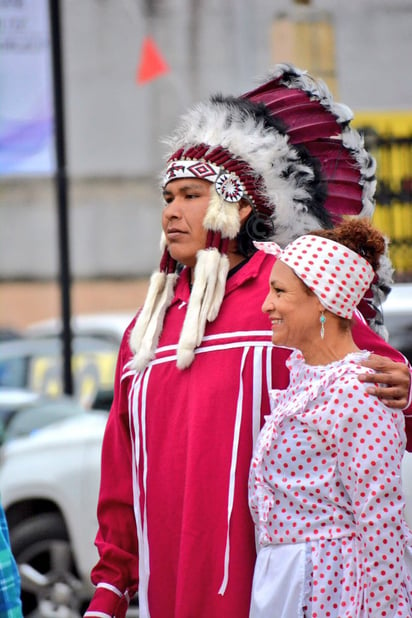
(147, 344)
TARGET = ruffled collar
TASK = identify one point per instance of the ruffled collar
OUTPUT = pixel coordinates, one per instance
(307, 381)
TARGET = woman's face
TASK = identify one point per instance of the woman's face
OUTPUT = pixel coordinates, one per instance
(293, 312)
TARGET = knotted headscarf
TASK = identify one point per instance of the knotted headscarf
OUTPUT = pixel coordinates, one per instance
(337, 275)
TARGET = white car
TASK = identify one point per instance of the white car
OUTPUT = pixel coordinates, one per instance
(397, 312)
(36, 364)
(35, 360)
(49, 485)
(109, 326)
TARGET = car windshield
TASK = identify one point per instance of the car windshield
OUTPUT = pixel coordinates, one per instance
(23, 412)
(36, 364)
(13, 371)
(34, 417)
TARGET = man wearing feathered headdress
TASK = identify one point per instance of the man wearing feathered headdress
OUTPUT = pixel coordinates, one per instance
(196, 364)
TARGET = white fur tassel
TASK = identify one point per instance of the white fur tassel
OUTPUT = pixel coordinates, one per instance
(219, 290)
(156, 286)
(205, 300)
(146, 332)
(214, 291)
(222, 216)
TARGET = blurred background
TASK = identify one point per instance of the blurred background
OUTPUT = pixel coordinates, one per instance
(129, 68)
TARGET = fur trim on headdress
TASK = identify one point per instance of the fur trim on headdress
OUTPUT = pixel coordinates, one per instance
(146, 332)
(380, 291)
(205, 299)
(222, 216)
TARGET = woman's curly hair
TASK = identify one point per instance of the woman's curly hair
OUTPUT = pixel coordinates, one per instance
(358, 235)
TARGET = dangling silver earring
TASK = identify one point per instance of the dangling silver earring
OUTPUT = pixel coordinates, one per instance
(322, 320)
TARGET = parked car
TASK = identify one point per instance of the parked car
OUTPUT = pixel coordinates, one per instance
(107, 325)
(36, 364)
(49, 484)
(397, 312)
(7, 334)
(12, 398)
(23, 412)
(92, 375)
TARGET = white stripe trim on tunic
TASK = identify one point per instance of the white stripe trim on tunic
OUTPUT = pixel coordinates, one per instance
(144, 607)
(111, 588)
(232, 475)
(217, 337)
(134, 416)
(204, 349)
(257, 391)
(141, 532)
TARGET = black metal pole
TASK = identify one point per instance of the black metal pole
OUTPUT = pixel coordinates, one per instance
(61, 191)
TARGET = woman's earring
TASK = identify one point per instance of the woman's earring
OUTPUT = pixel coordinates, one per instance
(322, 320)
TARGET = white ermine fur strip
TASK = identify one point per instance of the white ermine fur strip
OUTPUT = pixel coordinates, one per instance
(156, 287)
(202, 294)
(220, 288)
(146, 348)
(209, 302)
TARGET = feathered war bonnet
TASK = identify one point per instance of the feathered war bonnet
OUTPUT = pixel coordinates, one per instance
(287, 149)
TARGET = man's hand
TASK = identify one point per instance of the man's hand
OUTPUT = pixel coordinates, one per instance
(391, 380)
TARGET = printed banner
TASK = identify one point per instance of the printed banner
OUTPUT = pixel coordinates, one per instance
(26, 95)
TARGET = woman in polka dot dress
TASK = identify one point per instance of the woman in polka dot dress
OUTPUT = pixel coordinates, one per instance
(325, 480)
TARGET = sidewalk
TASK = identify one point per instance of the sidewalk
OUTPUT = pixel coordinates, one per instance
(24, 302)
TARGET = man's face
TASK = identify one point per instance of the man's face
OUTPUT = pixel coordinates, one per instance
(186, 202)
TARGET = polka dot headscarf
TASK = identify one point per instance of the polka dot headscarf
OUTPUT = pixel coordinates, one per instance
(337, 275)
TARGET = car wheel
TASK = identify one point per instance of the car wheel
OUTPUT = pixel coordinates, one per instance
(50, 584)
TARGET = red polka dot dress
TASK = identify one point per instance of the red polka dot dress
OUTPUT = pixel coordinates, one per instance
(326, 498)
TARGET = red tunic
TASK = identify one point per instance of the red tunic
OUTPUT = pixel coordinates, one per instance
(176, 458)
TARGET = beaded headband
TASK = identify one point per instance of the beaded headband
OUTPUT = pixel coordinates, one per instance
(228, 184)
